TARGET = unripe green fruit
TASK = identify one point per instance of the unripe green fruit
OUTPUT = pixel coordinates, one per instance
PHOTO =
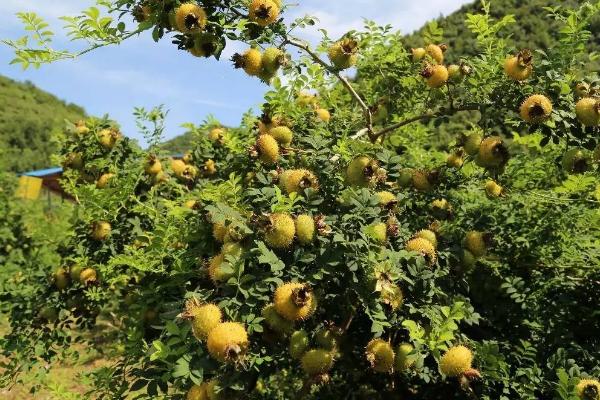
(588, 111)
(405, 178)
(468, 260)
(48, 313)
(275, 321)
(298, 344)
(343, 54)
(475, 243)
(421, 181)
(61, 279)
(282, 134)
(377, 231)
(305, 229)
(380, 355)
(281, 231)
(472, 143)
(402, 361)
(326, 339)
(272, 59)
(317, 361)
(75, 272)
(454, 73)
(575, 161)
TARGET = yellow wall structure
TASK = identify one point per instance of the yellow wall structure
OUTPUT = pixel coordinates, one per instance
(29, 187)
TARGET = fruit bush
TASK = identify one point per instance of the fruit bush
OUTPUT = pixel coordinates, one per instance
(336, 246)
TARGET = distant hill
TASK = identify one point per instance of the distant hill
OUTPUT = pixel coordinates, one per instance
(28, 116)
(179, 144)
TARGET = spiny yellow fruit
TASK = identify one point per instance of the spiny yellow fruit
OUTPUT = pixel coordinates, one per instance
(204, 45)
(189, 173)
(582, 89)
(203, 317)
(263, 12)
(423, 247)
(101, 230)
(380, 355)
(492, 153)
(343, 53)
(435, 52)
(305, 229)
(282, 134)
(386, 198)
(323, 114)
(588, 111)
(455, 160)
(428, 235)
(220, 232)
(190, 18)
(441, 205)
(436, 75)
(377, 231)
(536, 109)
(104, 180)
(197, 392)
(232, 249)
(152, 165)
(108, 138)
(575, 161)
(421, 180)
(306, 99)
(475, 242)
(250, 61)
(216, 134)
(178, 166)
(472, 143)
(361, 171)
(402, 361)
(275, 321)
(218, 269)
(272, 59)
(298, 344)
(294, 301)
(492, 189)
(88, 276)
(519, 67)
(268, 149)
(228, 342)
(296, 180)
(418, 53)
(456, 361)
(280, 231)
(81, 128)
(588, 389)
(61, 279)
(317, 361)
(209, 167)
(188, 158)
(211, 390)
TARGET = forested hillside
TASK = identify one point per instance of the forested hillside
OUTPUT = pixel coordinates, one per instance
(28, 116)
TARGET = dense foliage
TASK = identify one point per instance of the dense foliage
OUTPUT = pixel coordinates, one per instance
(28, 119)
(338, 246)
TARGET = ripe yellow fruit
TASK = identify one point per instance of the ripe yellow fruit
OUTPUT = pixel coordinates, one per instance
(323, 114)
(536, 109)
(81, 128)
(317, 361)
(275, 321)
(456, 361)
(178, 167)
(197, 392)
(402, 361)
(421, 180)
(280, 231)
(219, 232)
(435, 52)
(492, 153)
(250, 61)
(190, 18)
(305, 229)
(588, 111)
(101, 230)
(298, 344)
(228, 342)
(418, 53)
(361, 171)
(380, 355)
(108, 138)
(296, 180)
(492, 189)
(272, 59)
(455, 160)
(475, 242)
(423, 247)
(153, 165)
(343, 53)
(61, 279)
(203, 317)
(263, 12)
(519, 67)
(294, 301)
(588, 389)
(386, 199)
(428, 235)
(218, 269)
(88, 276)
(436, 75)
(282, 134)
(268, 149)
(216, 134)
(104, 180)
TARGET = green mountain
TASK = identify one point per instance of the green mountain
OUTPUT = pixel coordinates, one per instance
(28, 116)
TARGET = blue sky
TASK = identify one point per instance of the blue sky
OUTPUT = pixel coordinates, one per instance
(140, 72)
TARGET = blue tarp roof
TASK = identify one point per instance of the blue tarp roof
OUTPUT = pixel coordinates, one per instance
(44, 172)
